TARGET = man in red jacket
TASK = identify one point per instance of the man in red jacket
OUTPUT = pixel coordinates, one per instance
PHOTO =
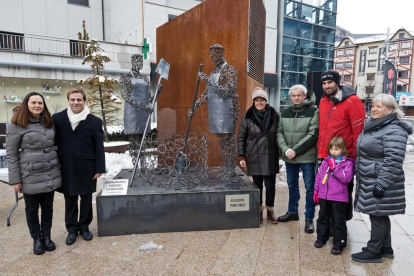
(341, 114)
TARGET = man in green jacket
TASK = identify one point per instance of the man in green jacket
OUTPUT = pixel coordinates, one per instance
(297, 136)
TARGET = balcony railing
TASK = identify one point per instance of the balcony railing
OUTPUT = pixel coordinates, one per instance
(41, 45)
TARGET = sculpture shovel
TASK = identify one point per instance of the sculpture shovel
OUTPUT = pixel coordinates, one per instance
(162, 70)
(181, 161)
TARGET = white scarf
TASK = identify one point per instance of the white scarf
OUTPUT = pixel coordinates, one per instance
(76, 118)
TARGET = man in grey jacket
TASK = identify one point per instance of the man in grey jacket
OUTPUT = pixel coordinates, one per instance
(297, 136)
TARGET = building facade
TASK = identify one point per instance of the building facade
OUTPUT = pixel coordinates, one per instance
(308, 41)
(360, 63)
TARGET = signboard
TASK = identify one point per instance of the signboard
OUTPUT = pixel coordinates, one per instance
(115, 187)
(406, 100)
(399, 94)
(390, 79)
(235, 203)
(362, 59)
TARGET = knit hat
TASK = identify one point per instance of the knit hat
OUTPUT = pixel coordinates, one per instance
(330, 75)
(259, 92)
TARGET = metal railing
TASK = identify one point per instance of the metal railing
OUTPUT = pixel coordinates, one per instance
(41, 45)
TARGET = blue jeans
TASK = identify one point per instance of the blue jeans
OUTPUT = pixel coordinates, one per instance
(292, 172)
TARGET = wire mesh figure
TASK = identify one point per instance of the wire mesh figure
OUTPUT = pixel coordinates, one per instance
(135, 89)
(223, 107)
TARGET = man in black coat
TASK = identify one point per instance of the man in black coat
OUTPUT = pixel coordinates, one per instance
(79, 137)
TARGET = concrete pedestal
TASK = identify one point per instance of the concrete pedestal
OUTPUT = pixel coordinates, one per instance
(217, 205)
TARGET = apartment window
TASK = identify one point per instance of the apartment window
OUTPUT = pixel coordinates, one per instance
(11, 41)
(171, 17)
(339, 53)
(370, 76)
(402, 88)
(372, 63)
(373, 50)
(401, 35)
(369, 89)
(348, 64)
(406, 45)
(393, 47)
(339, 65)
(346, 43)
(349, 52)
(77, 48)
(79, 2)
(347, 77)
(404, 59)
(403, 74)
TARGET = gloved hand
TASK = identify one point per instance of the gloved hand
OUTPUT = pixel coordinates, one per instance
(378, 191)
(331, 164)
(316, 197)
(320, 160)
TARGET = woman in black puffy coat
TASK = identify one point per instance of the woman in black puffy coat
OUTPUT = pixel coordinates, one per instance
(379, 170)
(258, 149)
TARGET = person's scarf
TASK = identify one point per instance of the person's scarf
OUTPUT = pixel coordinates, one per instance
(76, 118)
(263, 118)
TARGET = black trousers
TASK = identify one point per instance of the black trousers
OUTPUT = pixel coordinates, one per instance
(335, 211)
(32, 202)
(73, 224)
(270, 181)
(380, 233)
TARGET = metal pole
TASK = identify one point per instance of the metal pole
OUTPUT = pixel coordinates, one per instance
(279, 45)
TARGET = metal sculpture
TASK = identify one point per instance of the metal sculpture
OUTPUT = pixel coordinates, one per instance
(162, 70)
(135, 89)
(223, 107)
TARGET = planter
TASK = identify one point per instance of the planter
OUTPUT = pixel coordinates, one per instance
(116, 147)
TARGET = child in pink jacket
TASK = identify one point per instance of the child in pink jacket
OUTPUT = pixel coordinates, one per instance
(331, 192)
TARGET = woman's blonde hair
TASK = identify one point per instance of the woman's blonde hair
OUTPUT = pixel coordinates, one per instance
(340, 143)
(390, 102)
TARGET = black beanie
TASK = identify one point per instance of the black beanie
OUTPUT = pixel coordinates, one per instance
(330, 75)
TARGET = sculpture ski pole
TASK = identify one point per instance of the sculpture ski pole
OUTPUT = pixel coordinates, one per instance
(181, 161)
(163, 71)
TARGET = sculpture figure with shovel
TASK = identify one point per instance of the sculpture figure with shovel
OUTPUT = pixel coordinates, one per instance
(223, 107)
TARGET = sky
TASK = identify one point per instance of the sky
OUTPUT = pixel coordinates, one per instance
(375, 16)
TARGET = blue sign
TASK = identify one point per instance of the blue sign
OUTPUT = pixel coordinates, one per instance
(397, 97)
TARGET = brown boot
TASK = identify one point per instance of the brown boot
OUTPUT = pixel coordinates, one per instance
(261, 214)
(270, 215)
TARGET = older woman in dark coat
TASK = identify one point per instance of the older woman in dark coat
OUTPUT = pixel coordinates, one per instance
(34, 166)
(258, 149)
(380, 188)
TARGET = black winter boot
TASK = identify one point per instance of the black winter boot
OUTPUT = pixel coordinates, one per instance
(38, 248)
(48, 244)
(386, 252)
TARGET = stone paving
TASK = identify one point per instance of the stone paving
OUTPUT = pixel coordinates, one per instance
(282, 249)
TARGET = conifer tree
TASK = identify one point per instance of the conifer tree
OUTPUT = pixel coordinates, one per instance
(100, 99)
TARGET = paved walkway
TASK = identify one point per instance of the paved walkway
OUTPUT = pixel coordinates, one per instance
(282, 249)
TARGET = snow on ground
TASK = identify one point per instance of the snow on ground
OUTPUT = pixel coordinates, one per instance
(120, 128)
(150, 246)
(281, 179)
(115, 162)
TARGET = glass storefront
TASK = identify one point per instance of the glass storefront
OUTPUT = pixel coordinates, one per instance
(308, 41)
(13, 91)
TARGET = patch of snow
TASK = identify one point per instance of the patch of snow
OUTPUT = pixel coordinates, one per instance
(112, 129)
(116, 143)
(115, 162)
(410, 148)
(150, 246)
(117, 100)
(114, 243)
